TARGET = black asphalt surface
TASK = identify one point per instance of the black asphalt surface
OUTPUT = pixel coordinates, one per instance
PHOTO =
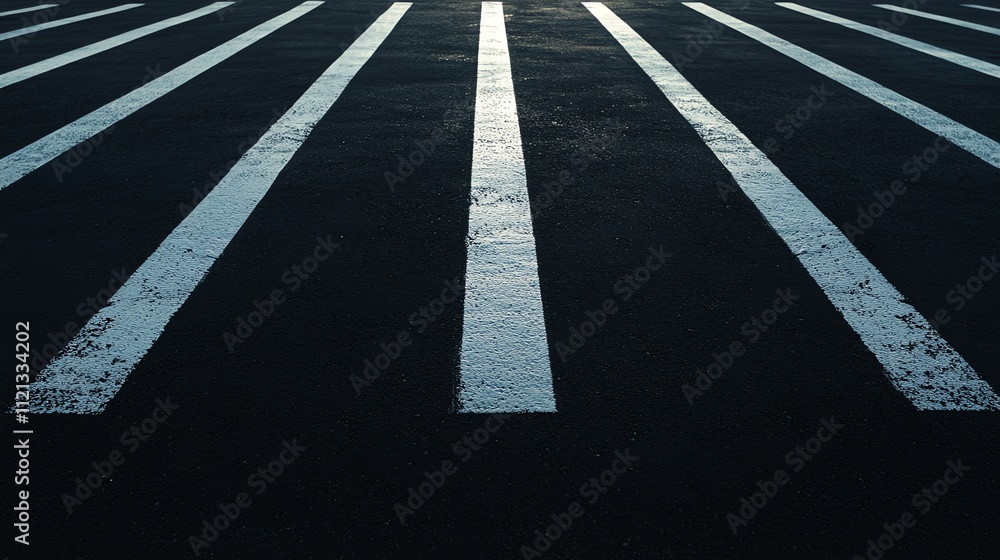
(641, 179)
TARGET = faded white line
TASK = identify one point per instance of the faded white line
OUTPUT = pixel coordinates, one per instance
(978, 144)
(60, 22)
(945, 19)
(26, 10)
(978, 7)
(917, 361)
(96, 362)
(960, 59)
(58, 61)
(42, 151)
(505, 357)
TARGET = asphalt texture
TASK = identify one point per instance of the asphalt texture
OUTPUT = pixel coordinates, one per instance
(641, 179)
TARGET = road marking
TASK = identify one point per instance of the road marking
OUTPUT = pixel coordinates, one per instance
(960, 59)
(505, 357)
(977, 6)
(31, 9)
(42, 151)
(58, 61)
(917, 361)
(60, 22)
(935, 17)
(85, 376)
(979, 145)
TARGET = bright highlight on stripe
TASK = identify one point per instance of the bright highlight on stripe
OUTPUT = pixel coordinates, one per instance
(59, 22)
(960, 59)
(935, 17)
(37, 8)
(58, 61)
(917, 361)
(40, 152)
(96, 362)
(505, 357)
(977, 144)
(978, 7)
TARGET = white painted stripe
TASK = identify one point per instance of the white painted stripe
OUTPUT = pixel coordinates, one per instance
(505, 358)
(96, 362)
(978, 7)
(918, 362)
(981, 146)
(42, 151)
(935, 17)
(30, 9)
(58, 61)
(60, 22)
(960, 59)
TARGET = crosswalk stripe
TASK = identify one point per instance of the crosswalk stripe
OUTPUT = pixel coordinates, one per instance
(945, 19)
(58, 61)
(978, 144)
(504, 358)
(94, 365)
(40, 152)
(950, 56)
(60, 22)
(978, 7)
(918, 362)
(29, 9)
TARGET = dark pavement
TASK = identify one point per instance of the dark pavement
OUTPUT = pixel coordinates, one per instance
(641, 179)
